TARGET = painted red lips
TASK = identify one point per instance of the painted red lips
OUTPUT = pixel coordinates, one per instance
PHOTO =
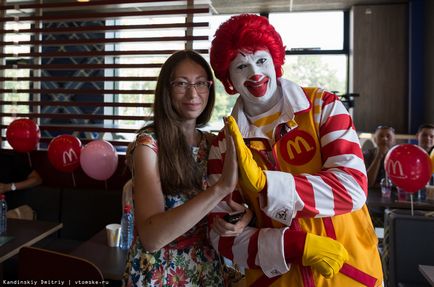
(257, 88)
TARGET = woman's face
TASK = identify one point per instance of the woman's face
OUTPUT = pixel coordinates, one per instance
(253, 76)
(189, 101)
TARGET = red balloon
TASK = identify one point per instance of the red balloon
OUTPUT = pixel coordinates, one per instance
(23, 135)
(64, 152)
(408, 166)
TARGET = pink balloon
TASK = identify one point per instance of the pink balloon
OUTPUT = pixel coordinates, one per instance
(408, 166)
(99, 159)
(23, 135)
(64, 152)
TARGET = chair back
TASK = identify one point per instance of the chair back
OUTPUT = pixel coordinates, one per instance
(42, 264)
(411, 244)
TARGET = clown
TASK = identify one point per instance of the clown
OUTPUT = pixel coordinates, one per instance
(301, 170)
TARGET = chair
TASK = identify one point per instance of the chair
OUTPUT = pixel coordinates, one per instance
(411, 242)
(42, 264)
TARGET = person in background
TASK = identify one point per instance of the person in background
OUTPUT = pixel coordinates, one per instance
(301, 170)
(425, 137)
(17, 177)
(384, 138)
(170, 195)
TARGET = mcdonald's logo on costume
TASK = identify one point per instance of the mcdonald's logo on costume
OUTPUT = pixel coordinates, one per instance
(297, 147)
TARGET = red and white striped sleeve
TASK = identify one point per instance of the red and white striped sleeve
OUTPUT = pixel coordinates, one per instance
(341, 184)
(254, 247)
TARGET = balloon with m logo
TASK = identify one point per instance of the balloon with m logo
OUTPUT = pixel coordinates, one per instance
(64, 152)
(408, 166)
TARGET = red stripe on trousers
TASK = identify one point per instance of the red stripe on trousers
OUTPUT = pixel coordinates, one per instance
(305, 271)
(348, 269)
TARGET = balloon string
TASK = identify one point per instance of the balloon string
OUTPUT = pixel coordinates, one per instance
(73, 179)
(105, 183)
(30, 160)
(411, 203)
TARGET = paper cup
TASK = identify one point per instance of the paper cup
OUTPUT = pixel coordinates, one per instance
(113, 234)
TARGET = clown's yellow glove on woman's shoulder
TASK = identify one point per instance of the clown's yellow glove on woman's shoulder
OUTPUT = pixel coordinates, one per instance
(251, 175)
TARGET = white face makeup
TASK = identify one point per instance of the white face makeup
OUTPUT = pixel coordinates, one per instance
(253, 76)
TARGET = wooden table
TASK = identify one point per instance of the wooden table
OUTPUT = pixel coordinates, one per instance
(110, 260)
(25, 233)
(427, 272)
(375, 200)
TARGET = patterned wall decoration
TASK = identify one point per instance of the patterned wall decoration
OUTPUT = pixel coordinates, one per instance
(76, 85)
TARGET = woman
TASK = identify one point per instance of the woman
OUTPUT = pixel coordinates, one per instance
(171, 199)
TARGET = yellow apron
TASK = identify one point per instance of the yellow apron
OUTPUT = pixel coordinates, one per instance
(299, 151)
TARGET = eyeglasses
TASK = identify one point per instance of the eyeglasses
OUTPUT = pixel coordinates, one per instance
(181, 87)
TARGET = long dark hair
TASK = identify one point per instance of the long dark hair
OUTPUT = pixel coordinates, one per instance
(178, 170)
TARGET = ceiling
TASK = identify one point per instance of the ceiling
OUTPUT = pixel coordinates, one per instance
(257, 6)
(223, 6)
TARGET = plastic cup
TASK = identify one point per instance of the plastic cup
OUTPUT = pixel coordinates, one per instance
(113, 234)
(386, 191)
(401, 194)
(404, 195)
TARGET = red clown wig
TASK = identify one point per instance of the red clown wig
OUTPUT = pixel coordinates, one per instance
(248, 33)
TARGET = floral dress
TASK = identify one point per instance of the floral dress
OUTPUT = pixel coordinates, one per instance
(190, 260)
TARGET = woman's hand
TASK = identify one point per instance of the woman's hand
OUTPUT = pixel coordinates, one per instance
(224, 228)
(382, 150)
(229, 177)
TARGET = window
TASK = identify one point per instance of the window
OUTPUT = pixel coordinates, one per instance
(13, 77)
(224, 102)
(91, 72)
(89, 69)
(316, 47)
(317, 53)
(143, 79)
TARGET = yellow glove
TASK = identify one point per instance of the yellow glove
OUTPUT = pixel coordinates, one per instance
(324, 254)
(251, 175)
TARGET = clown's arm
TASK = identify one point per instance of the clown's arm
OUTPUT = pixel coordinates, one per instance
(271, 249)
(338, 188)
(275, 249)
